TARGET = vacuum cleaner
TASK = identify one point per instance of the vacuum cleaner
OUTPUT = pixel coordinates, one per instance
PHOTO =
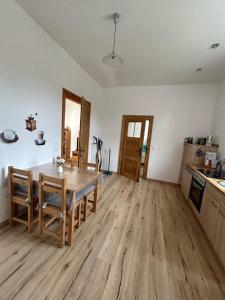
(108, 172)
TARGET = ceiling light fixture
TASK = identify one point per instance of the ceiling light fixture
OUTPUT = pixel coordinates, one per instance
(112, 59)
(214, 45)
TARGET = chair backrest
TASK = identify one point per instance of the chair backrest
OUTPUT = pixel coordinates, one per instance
(88, 165)
(52, 185)
(70, 162)
(20, 180)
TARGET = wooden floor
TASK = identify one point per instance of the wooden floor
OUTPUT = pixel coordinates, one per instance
(143, 243)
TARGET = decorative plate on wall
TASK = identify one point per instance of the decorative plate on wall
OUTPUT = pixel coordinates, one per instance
(9, 136)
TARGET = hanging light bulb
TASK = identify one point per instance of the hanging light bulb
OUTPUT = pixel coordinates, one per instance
(112, 59)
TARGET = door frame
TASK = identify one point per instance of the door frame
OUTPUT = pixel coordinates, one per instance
(122, 135)
(73, 97)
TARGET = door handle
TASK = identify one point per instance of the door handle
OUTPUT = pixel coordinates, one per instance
(139, 150)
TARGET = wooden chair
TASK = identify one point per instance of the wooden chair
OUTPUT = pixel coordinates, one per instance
(92, 188)
(55, 203)
(20, 187)
(71, 162)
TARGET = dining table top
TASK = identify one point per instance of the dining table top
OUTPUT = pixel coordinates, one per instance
(76, 178)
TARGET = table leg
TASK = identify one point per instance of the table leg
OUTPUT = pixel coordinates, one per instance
(78, 214)
(95, 198)
(71, 219)
(85, 200)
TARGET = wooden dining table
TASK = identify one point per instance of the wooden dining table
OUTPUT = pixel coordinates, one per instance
(76, 180)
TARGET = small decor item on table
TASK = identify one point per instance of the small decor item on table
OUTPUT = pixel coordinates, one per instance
(60, 162)
(31, 123)
(40, 138)
(9, 136)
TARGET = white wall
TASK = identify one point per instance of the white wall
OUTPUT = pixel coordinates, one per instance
(218, 126)
(179, 112)
(72, 120)
(33, 71)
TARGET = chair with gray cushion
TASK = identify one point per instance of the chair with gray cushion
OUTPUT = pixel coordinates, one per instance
(87, 191)
(22, 196)
(54, 205)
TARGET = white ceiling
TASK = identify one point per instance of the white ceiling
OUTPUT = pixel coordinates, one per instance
(161, 41)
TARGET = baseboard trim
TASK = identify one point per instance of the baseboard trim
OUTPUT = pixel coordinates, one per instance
(4, 223)
(163, 181)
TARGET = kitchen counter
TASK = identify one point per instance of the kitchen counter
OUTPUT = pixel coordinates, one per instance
(211, 214)
(212, 181)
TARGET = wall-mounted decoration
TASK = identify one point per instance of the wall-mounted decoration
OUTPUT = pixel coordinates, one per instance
(40, 139)
(9, 136)
(31, 123)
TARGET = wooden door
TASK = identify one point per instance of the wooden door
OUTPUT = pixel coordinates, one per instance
(84, 129)
(133, 135)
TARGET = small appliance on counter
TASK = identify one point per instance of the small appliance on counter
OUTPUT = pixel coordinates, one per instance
(209, 140)
(188, 140)
(210, 159)
(201, 141)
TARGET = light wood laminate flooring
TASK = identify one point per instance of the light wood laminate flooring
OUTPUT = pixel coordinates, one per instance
(143, 243)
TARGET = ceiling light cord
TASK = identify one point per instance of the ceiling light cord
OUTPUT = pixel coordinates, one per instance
(112, 59)
(114, 39)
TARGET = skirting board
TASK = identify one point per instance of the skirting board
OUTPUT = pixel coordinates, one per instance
(158, 180)
(163, 181)
(4, 223)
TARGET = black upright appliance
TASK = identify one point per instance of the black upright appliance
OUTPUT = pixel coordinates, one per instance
(197, 190)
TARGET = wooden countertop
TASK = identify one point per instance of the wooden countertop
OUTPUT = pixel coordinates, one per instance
(212, 181)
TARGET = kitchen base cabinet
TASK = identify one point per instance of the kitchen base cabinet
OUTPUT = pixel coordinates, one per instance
(186, 183)
(220, 236)
(212, 219)
(209, 216)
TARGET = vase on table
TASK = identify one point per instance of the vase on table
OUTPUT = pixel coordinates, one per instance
(60, 162)
(60, 169)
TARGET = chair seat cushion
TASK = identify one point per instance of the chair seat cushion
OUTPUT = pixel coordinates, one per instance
(88, 189)
(21, 190)
(55, 200)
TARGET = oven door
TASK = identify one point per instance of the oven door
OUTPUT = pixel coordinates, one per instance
(196, 194)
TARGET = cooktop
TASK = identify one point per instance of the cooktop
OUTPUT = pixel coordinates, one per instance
(212, 173)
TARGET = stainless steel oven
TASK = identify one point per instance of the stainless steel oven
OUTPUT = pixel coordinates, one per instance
(197, 190)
